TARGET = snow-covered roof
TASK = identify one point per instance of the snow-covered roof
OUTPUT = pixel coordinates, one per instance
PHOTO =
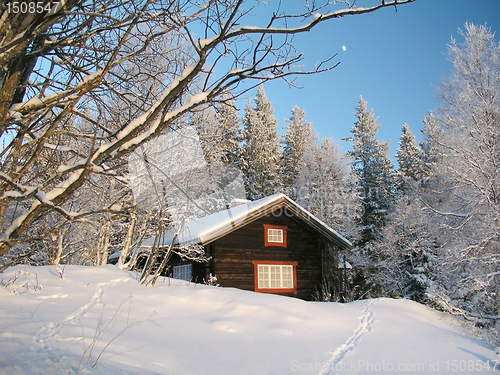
(209, 228)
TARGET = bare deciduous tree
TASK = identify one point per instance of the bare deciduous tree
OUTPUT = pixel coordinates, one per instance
(110, 75)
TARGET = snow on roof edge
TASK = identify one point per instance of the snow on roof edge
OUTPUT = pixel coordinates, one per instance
(211, 227)
(245, 209)
(342, 238)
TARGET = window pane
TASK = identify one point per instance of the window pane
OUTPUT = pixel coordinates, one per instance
(287, 276)
(275, 277)
(263, 276)
(183, 272)
(275, 235)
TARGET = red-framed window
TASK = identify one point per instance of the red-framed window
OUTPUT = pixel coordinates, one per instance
(275, 235)
(275, 277)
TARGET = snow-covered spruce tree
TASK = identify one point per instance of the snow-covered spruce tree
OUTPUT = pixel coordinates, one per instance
(231, 179)
(376, 190)
(298, 133)
(374, 172)
(406, 250)
(409, 156)
(325, 187)
(220, 138)
(262, 155)
(411, 242)
(230, 127)
(210, 134)
(104, 53)
(433, 137)
(219, 129)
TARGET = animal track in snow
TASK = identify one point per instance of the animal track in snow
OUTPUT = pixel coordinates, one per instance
(51, 329)
(365, 324)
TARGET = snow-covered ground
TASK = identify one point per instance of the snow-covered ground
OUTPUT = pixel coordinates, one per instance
(99, 320)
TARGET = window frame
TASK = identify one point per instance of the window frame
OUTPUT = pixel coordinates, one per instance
(181, 266)
(257, 263)
(268, 243)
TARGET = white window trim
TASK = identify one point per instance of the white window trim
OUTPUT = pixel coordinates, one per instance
(266, 271)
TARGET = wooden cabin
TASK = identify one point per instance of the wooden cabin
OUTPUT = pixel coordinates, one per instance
(271, 245)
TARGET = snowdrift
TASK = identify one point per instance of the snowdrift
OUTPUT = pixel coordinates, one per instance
(99, 320)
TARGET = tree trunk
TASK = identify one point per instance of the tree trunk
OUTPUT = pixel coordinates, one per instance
(128, 240)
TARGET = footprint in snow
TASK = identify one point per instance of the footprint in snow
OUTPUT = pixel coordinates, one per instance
(365, 324)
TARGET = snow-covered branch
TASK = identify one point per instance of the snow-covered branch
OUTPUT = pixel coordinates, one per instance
(88, 84)
(456, 214)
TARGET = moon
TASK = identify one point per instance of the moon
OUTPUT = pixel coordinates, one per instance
(343, 48)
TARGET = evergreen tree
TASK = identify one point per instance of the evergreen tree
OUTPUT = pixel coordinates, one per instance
(409, 156)
(324, 186)
(374, 170)
(220, 137)
(433, 135)
(210, 134)
(261, 150)
(298, 132)
(231, 132)
(441, 246)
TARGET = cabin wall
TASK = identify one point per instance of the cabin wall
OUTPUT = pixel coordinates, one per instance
(232, 255)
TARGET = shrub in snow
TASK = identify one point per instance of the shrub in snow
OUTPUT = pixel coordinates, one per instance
(212, 280)
(22, 282)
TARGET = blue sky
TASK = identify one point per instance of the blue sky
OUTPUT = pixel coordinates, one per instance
(395, 60)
